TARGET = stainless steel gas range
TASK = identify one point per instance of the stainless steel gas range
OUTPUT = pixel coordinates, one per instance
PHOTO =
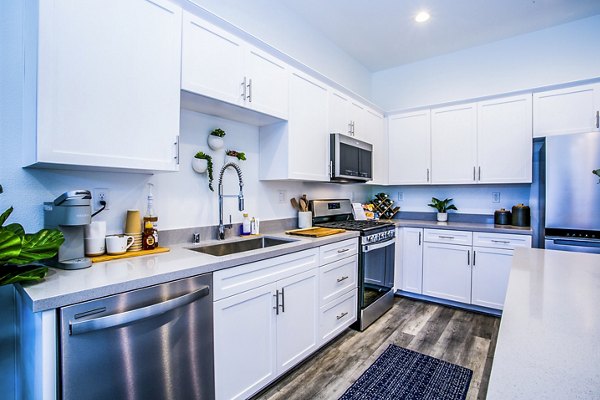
(376, 257)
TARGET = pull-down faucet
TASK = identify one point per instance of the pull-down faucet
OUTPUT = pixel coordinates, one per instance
(221, 196)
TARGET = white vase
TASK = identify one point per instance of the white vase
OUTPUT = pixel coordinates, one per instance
(215, 142)
(230, 159)
(442, 217)
(199, 165)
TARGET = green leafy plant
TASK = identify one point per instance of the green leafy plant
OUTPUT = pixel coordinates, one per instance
(209, 167)
(597, 172)
(237, 154)
(20, 252)
(442, 205)
(218, 132)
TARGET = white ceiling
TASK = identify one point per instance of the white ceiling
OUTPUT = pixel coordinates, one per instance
(382, 34)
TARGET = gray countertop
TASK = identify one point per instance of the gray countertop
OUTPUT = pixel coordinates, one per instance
(61, 287)
(549, 339)
(462, 226)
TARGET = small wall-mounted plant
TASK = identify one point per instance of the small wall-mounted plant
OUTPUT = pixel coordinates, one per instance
(218, 132)
(215, 139)
(442, 206)
(202, 163)
(237, 154)
(597, 172)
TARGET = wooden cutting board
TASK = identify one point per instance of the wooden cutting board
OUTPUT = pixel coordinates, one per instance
(315, 232)
(129, 254)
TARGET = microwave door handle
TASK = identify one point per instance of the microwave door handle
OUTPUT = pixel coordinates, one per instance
(370, 247)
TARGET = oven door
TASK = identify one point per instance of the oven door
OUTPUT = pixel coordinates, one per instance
(377, 270)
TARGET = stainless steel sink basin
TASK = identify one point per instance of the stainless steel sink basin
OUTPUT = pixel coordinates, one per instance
(239, 246)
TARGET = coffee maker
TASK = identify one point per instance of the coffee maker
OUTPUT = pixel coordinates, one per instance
(70, 212)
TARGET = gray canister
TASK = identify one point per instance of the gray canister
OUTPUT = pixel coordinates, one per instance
(502, 217)
(521, 215)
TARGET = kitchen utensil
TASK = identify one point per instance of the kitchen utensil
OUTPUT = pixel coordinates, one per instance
(315, 232)
(118, 244)
(521, 215)
(502, 217)
(303, 205)
(295, 203)
(94, 246)
(133, 223)
(304, 219)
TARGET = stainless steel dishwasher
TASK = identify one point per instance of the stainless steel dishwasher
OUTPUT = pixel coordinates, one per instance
(150, 343)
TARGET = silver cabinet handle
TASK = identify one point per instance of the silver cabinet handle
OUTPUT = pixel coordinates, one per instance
(276, 302)
(427, 174)
(350, 128)
(500, 241)
(473, 172)
(176, 148)
(474, 253)
(597, 119)
(282, 300)
(343, 250)
(245, 87)
(342, 315)
(419, 238)
(249, 90)
(468, 257)
(136, 315)
(343, 278)
(479, 173)
(446, 237)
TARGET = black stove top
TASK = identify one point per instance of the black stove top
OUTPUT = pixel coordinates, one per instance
(365, 227)
(338, 213)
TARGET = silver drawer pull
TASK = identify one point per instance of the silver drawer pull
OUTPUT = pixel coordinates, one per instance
(446, 237)
(500, 241)
(343, 250)
(343, 278)
(342, 315)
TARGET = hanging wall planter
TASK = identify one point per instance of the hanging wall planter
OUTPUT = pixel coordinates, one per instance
(215, 139)
(202, 163)
(232, 156)
(199, 165)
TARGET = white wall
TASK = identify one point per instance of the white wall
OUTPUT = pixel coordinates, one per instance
(273, 23)
(561, 54)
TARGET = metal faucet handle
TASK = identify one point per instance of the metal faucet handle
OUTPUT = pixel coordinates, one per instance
(229, 225)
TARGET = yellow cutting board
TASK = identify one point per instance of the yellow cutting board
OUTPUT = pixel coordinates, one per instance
(315, 232)
(129, 254)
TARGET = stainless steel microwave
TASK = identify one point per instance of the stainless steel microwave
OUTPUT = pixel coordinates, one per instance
(351, 160)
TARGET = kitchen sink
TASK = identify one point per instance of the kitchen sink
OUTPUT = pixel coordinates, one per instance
(239, 246)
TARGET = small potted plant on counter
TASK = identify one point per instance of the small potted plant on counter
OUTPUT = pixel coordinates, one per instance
(201, 163)
(442, 206)
(233, 156)
(215, 139)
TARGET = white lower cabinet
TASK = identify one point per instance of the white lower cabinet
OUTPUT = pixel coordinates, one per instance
(447, 271)
(337, 315)
(412, 260)
(491, 270)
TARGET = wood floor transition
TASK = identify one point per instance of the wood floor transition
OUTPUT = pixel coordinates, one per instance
(457, 336)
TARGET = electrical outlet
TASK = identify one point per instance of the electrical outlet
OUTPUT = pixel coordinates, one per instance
(281, 196)
(98, 195)
(400, 196)
(495, 197)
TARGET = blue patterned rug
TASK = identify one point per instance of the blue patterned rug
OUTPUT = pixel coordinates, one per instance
(399, 373)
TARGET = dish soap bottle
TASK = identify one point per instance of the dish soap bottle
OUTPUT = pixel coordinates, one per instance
(150, 223)
(246, 225)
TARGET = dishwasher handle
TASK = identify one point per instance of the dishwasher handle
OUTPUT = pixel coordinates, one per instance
(138, 314)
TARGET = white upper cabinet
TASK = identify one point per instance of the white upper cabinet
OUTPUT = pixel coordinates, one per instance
(358, 121)
(409, 138)
(221, 66)
(339, 113)
(504, 140)
(377, 136)
(106, 86)
(454, 144)
(563, 111)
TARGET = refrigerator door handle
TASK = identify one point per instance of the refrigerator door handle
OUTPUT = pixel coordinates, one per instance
(579, 243)
(139, 314)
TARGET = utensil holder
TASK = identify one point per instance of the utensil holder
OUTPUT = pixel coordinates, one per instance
(304, 219)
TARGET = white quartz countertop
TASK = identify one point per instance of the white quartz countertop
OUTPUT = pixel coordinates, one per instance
(549, 339)
(462, 226)
(61, 287)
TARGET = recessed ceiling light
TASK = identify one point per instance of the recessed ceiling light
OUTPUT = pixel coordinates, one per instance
(422, 16)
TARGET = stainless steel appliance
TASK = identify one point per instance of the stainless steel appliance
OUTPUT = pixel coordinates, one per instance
(572, 192)
(375, 260)
(150, 343)
(351, 160)
(70, 212)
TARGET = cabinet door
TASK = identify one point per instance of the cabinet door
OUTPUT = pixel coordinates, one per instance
(378, 138)
(409, 138)
(454, 144)
(245, 342)
(268, 84)
(504, 140)
(447, 271)
(358, 119)
(298, 319)
(571, 110)
(491, 270)
(109, 83)
(212, 61)
(339, 113)
(308, 138)
(412, 260)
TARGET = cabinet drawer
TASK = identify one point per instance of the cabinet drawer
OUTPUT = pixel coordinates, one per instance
(448, 236)
(501, 240)
(230, 281)
(337, 316)
(336, 251)
(337, 278)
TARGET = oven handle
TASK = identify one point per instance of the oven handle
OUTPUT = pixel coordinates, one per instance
(370, 247)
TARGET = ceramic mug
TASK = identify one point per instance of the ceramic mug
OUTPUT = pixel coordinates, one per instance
(94, 246)
(118, 244)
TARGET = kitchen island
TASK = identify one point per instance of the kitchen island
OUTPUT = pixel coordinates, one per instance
(549, 338)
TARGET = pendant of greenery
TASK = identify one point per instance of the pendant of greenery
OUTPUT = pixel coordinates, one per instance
(209, 168)
(20, 251)
(442, 205)
(218, 132)
(237, 154)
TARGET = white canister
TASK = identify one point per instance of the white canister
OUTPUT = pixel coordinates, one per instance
(304, 219)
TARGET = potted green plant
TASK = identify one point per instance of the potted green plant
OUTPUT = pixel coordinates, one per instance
(201, 163)
(442, 206)
(233, 156)
(21, 252)
(215, 139)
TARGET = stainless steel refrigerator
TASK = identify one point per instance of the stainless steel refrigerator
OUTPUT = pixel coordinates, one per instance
(571, 192)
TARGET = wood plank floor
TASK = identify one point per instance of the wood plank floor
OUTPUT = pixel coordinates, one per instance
(457, 336)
